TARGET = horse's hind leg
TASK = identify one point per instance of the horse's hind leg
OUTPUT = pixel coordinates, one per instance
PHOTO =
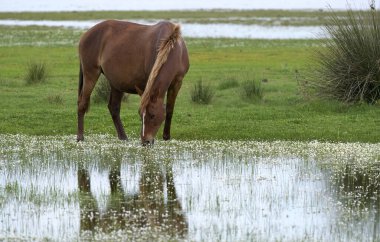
(114, 108)
(170, 101)
(89, 81)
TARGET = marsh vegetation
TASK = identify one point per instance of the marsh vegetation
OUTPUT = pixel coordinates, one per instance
(348, 67)
(35, 73)
(290, 162)
(252, 90)
(202, 93)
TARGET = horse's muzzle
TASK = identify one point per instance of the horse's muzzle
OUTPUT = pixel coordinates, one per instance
(147, 142)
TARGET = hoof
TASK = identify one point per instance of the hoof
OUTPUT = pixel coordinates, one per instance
(125, 138)
(166, 137)
(80, 138)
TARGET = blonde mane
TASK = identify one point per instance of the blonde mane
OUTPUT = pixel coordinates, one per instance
(162, 55)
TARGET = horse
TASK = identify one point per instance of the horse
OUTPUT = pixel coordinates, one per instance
(149, 60)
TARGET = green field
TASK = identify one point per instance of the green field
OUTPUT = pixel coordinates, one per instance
(283, 114)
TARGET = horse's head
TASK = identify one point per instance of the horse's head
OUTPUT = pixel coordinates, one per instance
(152, 117)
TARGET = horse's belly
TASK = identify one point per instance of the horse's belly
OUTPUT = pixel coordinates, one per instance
(124, 78)
(125, 84)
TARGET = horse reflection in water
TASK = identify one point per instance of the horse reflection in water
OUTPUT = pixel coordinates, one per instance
(145, 211)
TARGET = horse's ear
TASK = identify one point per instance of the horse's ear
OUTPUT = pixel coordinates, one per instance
(139, 91)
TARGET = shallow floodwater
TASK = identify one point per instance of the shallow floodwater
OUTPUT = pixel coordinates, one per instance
(195, 30)
(52, 188)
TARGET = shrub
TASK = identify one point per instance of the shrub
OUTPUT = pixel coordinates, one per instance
(228, 83)
(252, 90)
(348, 68)
(201, 94)
(36, 73)
(103, 91)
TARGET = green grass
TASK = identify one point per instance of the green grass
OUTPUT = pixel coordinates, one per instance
(228, 83)
(55, 99)
(283, 114)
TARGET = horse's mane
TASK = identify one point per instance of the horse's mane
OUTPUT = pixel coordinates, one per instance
(162, 55)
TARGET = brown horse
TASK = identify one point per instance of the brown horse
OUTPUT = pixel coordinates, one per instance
(148, 60)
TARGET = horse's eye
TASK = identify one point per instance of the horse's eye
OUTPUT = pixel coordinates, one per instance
(151, 116)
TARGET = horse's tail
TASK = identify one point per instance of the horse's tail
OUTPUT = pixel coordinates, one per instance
(80, 87)
(162, 55)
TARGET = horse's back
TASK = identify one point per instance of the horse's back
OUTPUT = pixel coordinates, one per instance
(125, 52)
(116, 31)
(95, 38)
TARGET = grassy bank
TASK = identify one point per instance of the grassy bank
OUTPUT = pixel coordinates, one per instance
(283, 114)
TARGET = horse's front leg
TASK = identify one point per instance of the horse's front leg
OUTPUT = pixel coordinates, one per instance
(114, 105)
(170, 101)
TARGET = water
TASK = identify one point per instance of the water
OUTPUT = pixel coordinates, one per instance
(196, 30)
(103, 189)
(217, 30)
(83, 5)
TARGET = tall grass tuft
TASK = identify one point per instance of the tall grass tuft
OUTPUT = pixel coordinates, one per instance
(348, 68)
(103, 90)
(36, 73)
(252, 90)
(202, 94)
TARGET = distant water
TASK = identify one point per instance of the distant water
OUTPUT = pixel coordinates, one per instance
(201, 30)
(84, 5)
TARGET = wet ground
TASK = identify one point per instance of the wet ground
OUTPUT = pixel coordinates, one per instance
(52, 188)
